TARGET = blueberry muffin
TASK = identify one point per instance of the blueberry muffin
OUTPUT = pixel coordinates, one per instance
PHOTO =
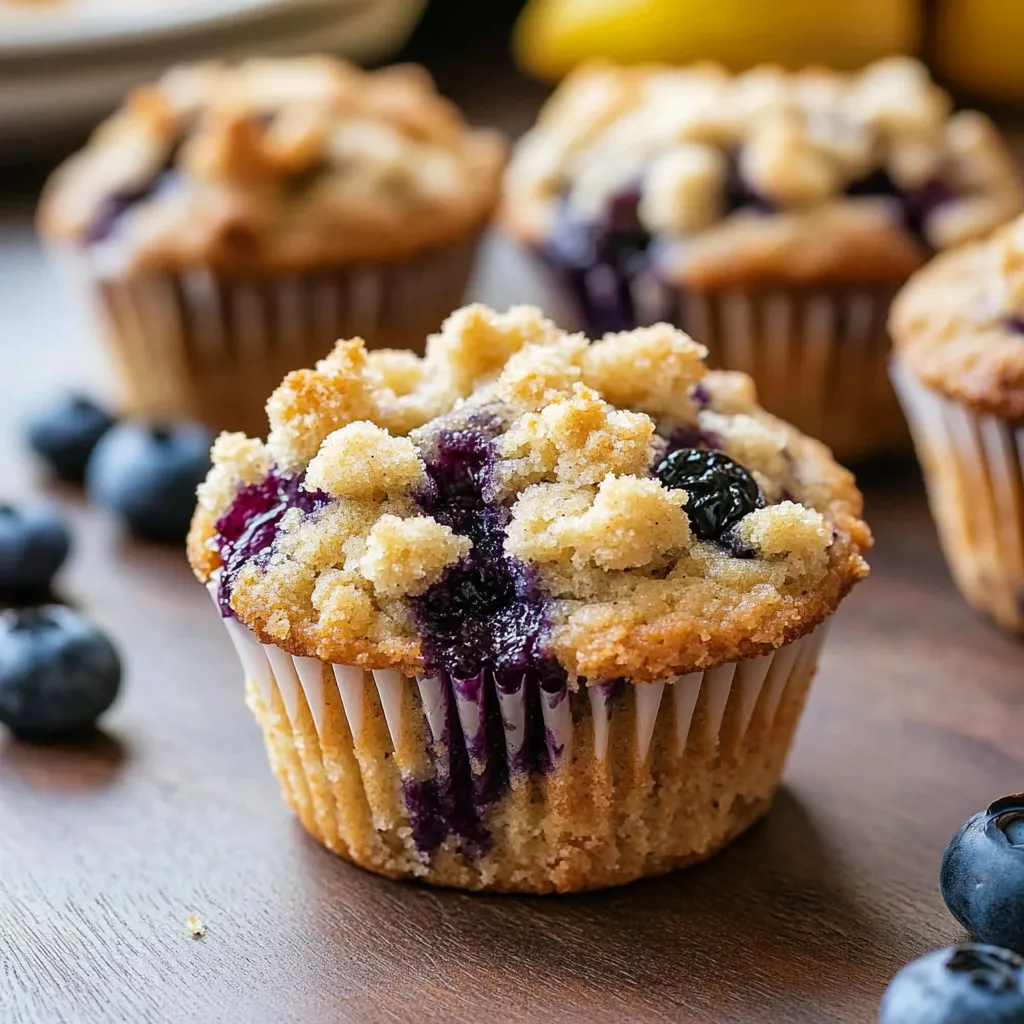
(229, 223)
(527, 613)
(771, 214)
(958, 364)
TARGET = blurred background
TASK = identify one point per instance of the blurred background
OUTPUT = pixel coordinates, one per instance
(65, 63)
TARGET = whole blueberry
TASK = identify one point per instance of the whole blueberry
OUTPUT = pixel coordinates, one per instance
(719, 491)
(982, 874)
(971, 984)
(148, 476)
(33, 545)
(58, 673)
(66, 433)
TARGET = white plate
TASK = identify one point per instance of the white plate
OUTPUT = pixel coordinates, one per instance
(44, 98)
(29, 29)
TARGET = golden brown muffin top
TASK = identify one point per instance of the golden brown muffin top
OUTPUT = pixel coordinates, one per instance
(505, 490)
(273, 165)
(959, 323)
(768, 175)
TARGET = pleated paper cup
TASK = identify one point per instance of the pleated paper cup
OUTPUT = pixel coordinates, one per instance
(973, 467)
(465, 783)
(198, 345)
(819, 356)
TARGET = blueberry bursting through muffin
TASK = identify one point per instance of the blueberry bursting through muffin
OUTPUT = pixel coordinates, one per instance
(642, 185)
(617, 251)
(495, 514)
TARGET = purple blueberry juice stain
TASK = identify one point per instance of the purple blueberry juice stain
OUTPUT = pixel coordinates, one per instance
(600, 261)
(690, 436)
(249, 528)
(111, 213)
(916, 205)
(483, 628)
(739, 195)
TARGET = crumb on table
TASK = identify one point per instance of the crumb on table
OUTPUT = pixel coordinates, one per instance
(196, 928)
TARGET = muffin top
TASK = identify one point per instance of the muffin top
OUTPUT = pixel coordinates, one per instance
(959, 323)
(764, 176)
(520, 499)
(274, 165)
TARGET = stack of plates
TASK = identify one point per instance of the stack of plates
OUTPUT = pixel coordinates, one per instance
(65, 63)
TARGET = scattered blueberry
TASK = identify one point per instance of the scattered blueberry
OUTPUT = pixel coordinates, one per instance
(982, 874)
(33, 545)
(148, 475)
(971, 984)
(58, 673)
(66, 434)
(720, 492)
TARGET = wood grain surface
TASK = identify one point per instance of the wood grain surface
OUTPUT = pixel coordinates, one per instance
(107, 846)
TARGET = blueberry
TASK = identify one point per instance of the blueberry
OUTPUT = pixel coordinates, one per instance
(58, 673)
(66, 434)
(720, 492)
(971, 984)
(33, 545)
(982, 875)
(148, 476)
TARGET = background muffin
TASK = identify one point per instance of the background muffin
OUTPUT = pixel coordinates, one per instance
(771, 214)
(526, 614)
(229, 223)
(958, 332)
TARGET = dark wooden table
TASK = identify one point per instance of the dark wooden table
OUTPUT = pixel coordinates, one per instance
(106, 847)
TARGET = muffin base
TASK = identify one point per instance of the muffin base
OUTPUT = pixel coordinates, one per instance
(973, 467)
(196, 345)
(661, 776)
(818, 356)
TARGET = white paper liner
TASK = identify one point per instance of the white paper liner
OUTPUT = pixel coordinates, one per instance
(513, 719)
(974, 471)
(748, 683)
(818, 357)
(197, 345)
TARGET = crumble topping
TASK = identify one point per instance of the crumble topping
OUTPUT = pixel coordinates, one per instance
(697, 153)
(959, 323)
(276, 163)
(579, 439)
(364, 462)
(516, 506)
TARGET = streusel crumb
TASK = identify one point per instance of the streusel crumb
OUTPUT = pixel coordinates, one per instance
(788, 531)
(652, 369)
(579, 440)
(506, 494)
(237, 461)
(363, 461)
(767, 176)
(628, 524)
(403, 557)
(310, 161)
(958, 324)
(309, 404)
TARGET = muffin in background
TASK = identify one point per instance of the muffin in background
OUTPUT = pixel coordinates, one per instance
(958, 365)
(772, 215)
(527, 614)
(229, 223)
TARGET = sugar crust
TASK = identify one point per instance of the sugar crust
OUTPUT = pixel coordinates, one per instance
(282, 164)
(950, 324)
(634, 593)
(801, 138)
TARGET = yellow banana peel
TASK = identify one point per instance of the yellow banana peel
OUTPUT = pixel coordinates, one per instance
(978, 47)
(552, 36)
